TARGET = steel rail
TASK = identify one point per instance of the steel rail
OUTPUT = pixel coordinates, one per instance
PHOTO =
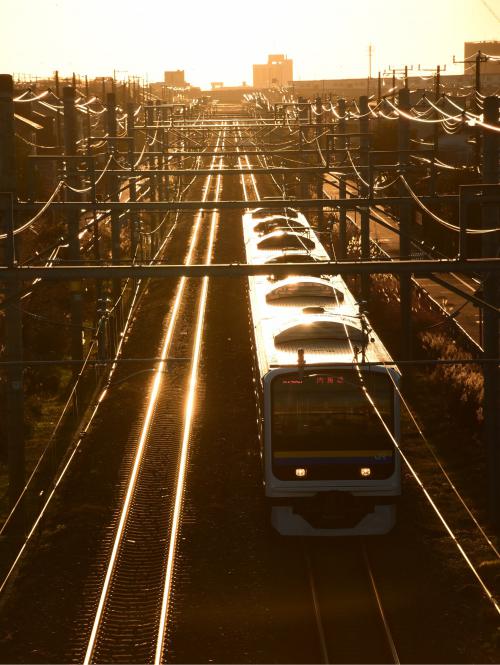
(183, 461)
(385, 624)
(325, 657)
(152, 401)
(317, 610)
(314, 596)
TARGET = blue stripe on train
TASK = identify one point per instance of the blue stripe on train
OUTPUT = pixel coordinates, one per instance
(313, 461)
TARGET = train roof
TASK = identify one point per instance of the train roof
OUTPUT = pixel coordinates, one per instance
(258, 214)
(316, 314)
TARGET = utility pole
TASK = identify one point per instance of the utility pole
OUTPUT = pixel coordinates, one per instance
(477, 101)
(58, 113)
(477, 88)
(73, 219)
(303, 118)
(364, 146)
(370, 53)
(490, 248)
(437, 95)
(342, 182)
(14, 407)
(132, 182)
(477, 77)
(112, 182)
(319, 181)
(404, 227)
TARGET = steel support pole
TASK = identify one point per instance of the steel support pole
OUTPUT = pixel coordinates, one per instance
(13, 415)
(490, 248)
(319, 179)
(132, 189)
(153, 181)
(342, 183)
(58, 112)
(405, 228)
(112, 183)
(166, 139)
(303, 119)
(364, 146)
(437, 95)
(73, 220)
(477, 105)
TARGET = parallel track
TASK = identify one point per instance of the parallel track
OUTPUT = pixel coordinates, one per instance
(347, 604)
(130, 617)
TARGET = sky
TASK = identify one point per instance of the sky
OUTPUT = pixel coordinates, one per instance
(219, 40)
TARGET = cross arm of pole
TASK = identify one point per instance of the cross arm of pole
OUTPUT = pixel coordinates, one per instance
(162, 271)
(164, 206)
(463, 294)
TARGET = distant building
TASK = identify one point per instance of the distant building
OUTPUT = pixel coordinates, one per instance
(175, 79)
(455, 84)
(216, 85)
(277, 72)
(491, 48)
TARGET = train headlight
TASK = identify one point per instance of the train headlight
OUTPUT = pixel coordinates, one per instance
(365, 472)
(301, 473)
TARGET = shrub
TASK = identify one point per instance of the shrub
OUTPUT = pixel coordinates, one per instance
(463, 381)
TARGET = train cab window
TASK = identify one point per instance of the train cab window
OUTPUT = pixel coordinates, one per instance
(323, 421)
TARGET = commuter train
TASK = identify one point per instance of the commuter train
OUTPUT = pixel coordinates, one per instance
(330, 466)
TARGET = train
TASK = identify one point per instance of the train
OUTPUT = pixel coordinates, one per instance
(327, 394)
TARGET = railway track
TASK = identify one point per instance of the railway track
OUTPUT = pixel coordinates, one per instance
(347, 604)
(133, 601)
(139, 584)
(343, 589)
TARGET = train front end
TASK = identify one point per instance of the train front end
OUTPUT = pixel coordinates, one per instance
(331, 466)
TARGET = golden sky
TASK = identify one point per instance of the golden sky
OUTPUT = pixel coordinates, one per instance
(218, 40)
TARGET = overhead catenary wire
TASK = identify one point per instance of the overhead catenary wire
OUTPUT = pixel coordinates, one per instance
(440, 220)
(102, 395)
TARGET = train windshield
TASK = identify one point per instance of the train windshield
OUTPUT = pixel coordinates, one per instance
(323, 422)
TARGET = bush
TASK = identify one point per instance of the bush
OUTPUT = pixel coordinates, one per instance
(464, 382)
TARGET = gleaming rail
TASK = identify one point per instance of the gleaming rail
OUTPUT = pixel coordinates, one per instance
(131, 614)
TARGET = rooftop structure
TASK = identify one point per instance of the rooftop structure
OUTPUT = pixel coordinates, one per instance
(278, 72)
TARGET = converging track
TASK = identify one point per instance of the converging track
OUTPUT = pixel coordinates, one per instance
(130, 617)
(346, 602)
(162, 532)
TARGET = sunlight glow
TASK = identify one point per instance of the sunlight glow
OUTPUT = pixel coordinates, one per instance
(329, 40)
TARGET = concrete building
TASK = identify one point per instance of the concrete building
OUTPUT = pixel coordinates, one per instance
(175, 79)
(455, 84)
(491, 48)
(277, 72)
